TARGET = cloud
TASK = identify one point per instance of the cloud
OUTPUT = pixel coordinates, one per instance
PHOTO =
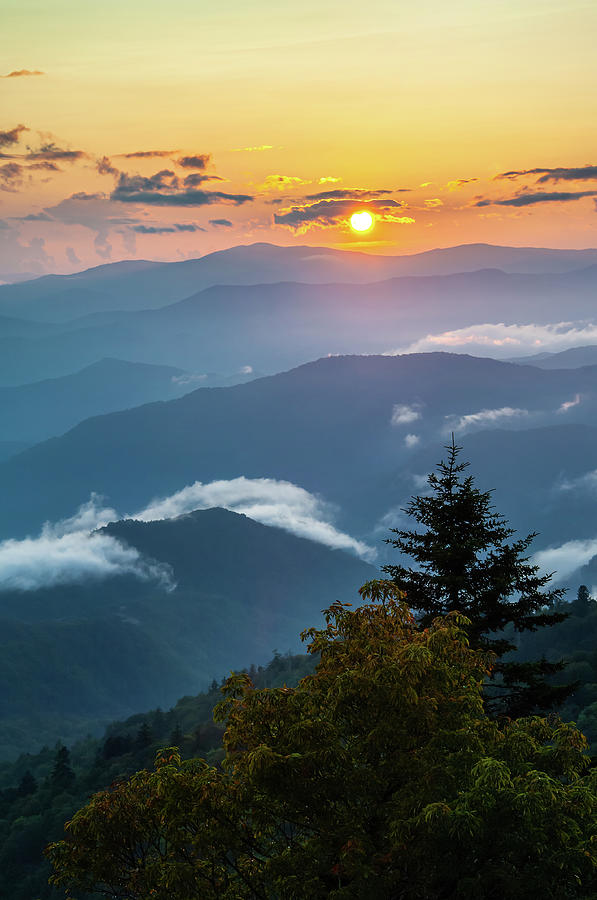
(199, 161)
(569, 404)
(11, 175)
(484, 417)
(505, 341)
(196, 178)
(328, 179)
(167, 229)
(12, 136)
(16, 256)
(22, 73)
(277, 503)
(347, 194)
(565, 559)
(433, 202)
(188, 379)
(70, 551)
(147, 154)
(558, 173)
(221, 223)
(49, 151)
(72, 256)
(528, 199)
(411, 440)
(163, 189)
(586, 482)
(281, 182)
(105, 167)
(36, 217)
(73, 549)
(403, 414)
(92, 211)
(246, 370)
(258, 149)
(330, 213)
(459, 183)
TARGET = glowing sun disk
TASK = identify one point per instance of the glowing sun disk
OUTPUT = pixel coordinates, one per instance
(361, 221)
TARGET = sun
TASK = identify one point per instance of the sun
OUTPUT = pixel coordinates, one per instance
(361, 221)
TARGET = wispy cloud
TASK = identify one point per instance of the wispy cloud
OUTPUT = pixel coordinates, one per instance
(484, 417)
(257, 149)
(148, 154)
(569, 404)
(12, 135)
(530, 199)
(22, 73)
(557, 173)
(177, 227)
(50, 151)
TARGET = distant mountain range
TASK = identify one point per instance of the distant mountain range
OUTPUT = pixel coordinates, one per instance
(271, 327)
(76, 655)
(355, 430)
(136, 285)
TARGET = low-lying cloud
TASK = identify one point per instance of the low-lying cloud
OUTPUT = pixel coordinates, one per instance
(73, 550)
(403, 414)
(266, 500)
(70, 551)
(566, 559)
(484, 417)
(503, 341)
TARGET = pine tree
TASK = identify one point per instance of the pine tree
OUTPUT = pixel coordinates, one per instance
(466, 561)
(144, 735)
(62, 774)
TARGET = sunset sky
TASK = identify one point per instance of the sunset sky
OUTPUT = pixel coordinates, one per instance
(150, 130)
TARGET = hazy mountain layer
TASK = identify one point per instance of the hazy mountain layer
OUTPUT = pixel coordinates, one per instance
(277, 326)
(140, 284)
(355, 430)
(33, 412)
(99, 649)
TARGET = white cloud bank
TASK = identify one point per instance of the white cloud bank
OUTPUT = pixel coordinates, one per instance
(567, 558)
(71, 550)
(503, 341)
(271, 502)
(66, 553)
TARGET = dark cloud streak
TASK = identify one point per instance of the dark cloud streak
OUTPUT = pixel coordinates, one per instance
(541, 197)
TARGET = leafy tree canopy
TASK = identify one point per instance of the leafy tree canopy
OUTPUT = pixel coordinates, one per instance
(381, 775)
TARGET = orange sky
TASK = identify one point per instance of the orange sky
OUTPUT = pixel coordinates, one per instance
(274, 124)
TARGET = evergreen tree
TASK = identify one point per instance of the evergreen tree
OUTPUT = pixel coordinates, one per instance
(584, 603)
(27, 785)
(144, 735)
(466, 561)
(176, 737)
(62, 774)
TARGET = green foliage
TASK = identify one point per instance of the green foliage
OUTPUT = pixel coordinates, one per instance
(33, 810)
(465, 560)
(378, 775)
